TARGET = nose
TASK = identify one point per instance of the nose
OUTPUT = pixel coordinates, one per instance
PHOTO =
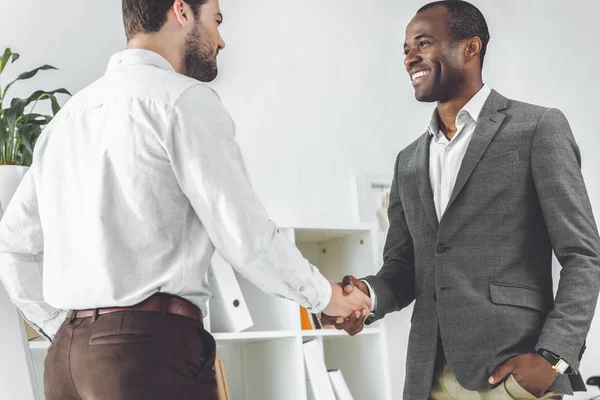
(221, 44)
(411, 59)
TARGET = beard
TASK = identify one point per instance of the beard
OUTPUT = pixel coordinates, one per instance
(200, 56)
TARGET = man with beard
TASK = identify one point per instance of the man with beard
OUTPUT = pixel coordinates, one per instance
(134, 184)
(477, 205)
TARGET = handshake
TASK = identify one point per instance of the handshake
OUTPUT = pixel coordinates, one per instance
(348, 308)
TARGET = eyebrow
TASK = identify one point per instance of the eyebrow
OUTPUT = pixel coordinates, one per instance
(421, 36)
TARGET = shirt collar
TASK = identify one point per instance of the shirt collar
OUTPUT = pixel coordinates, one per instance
(472, 109)
(131, 57)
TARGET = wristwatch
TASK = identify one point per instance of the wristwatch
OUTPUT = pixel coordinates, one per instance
(558, 364)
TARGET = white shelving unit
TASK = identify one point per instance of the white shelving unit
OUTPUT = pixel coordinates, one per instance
(266, 361)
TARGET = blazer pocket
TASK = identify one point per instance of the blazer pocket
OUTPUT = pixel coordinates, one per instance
(519, 296)
(121, 337)
(499, 159)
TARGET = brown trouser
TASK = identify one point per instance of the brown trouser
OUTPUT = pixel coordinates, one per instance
(131, 355)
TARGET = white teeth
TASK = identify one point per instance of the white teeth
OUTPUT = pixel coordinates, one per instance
(420, 74)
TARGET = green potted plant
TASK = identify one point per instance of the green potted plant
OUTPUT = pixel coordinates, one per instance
(20, 127)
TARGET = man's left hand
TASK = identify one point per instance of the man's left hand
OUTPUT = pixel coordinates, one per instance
(530, 370)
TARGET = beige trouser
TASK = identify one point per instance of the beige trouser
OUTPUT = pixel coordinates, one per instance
(446, 387)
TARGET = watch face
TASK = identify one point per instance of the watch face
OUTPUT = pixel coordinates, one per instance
(561, 366)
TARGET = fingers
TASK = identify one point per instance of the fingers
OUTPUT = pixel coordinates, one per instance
(329, 320)
(355, 323)
(502, 371)
(348, 284)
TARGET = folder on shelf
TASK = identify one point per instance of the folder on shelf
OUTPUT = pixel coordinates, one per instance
(318, 382)
(228, 308)
(31, 333)
(309, 321)
(317, 323)
(340, 387)
(222, 384)
(306, 321)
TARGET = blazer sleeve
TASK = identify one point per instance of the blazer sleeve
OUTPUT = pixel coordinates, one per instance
(394, 284)
(567, 212)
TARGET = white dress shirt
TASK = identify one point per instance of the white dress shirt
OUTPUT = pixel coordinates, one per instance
(133, 185)
(446, 156)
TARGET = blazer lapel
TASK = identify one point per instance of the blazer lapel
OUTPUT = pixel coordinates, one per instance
(423, 179)
(488, 124)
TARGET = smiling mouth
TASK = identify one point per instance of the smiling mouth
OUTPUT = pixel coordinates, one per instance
(418, 75)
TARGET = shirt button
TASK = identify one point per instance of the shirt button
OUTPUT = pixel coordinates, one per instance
(448, 148)
(445, 184)
(301, 288)
(441, 248)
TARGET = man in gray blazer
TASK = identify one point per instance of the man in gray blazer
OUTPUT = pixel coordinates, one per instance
(477, 205)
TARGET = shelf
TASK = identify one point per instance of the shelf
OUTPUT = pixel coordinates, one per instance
(317, 235)
(261, 336)
(253, 336)
(321, 225)
(336, 333)
(39, 343)
(249, 337)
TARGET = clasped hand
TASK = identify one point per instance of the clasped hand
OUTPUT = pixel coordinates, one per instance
(354, 306)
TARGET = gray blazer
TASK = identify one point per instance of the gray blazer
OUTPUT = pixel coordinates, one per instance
(482, 276)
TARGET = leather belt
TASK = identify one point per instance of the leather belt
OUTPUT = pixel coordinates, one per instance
(162, 303)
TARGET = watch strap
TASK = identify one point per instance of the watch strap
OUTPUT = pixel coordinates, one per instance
(558, 364)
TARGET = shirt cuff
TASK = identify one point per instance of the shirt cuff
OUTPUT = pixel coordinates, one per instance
(49, 329)
(323, 298)
(372, 295)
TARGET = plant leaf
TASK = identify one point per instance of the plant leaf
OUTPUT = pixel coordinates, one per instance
(4, 59)
(11, 116)
(8, 55)
(28, 135)
(36, 119)
(27, 75)
(39, 93)
(19, 105)
(55, 105)
(3, 130)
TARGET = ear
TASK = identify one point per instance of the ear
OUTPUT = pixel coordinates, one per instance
(183, 12)
(473, 48)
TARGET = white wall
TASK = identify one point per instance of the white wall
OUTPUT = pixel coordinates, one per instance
(320, 94)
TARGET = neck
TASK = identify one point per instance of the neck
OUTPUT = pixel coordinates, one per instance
(448, 110)
(163, 47)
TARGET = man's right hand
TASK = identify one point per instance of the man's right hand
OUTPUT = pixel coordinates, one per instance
(344, 303)
(354, 323)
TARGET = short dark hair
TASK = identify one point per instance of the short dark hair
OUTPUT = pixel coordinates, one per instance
(464, 21)
(147, 16)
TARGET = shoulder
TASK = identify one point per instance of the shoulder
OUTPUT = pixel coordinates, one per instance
(407, 154)
(200, 105)
(522, 113)
(197, 95)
